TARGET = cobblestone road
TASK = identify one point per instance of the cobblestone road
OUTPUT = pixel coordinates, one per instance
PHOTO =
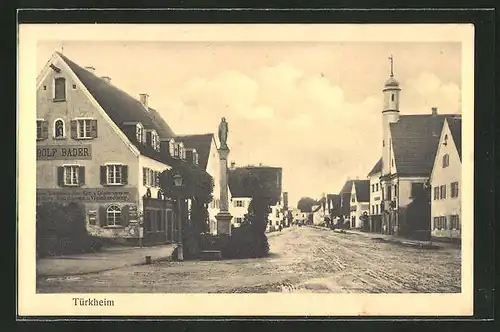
(302, 259)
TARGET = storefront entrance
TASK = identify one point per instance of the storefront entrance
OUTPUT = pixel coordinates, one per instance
(158, 221)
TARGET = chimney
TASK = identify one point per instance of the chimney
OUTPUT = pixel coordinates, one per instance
(436, 130)
(233, 165)
(107, 79)
(143, 97)
(90, 69)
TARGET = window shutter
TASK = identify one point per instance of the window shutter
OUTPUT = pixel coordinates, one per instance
(124, 174)
(45, 129)
(81, 175)
(93, 128)
(74, 129)
(103, 175)
(144, 176)
(60, 176)
(125, 216)
(102, 216)
(157, 179)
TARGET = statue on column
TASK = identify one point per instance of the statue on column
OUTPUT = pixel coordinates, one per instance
(223, 130)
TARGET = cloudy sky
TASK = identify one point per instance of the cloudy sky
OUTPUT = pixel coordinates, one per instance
(312, 108)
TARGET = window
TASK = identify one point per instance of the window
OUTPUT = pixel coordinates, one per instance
(376, 209)
(139, 133)
(176, 150)
(59, 128)
(455, 221)
(454, 189)
(45, 87)
(195, 158)
(114, 174)
(70, 175)
(113, 215)
(155, 141)
(395, 190)
(60, 89)
(171, 147)
(83, 128)
(238, 203)
(439, 222)
(376, 186)
(373, 209)
(392, 97)
(446, 160)
(74, 86)
(373, 188)
(42, 129)
(442, 192)
(239, 220)
(436, 192)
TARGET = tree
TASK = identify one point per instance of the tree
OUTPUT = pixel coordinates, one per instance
(197, 185)
(305, 204)
(250, 240)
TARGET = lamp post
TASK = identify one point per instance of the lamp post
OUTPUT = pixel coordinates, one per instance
(178, 185)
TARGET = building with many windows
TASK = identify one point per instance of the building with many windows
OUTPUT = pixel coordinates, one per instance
(445, 182)
(105, 149)
(375, 209)
(409, 146)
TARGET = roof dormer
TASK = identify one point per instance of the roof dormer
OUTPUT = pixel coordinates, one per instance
(153, 139)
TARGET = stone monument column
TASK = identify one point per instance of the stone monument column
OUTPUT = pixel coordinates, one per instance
(223, 217)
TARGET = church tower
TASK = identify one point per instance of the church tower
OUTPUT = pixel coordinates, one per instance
(390, 114)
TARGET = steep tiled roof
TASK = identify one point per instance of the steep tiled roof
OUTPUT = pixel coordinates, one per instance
(362, 188)
(269, 177)
(377, 168)
(335, 202)
(121, 107)
(455, 125)
(346, 189)
(202, 145)
(415, 139)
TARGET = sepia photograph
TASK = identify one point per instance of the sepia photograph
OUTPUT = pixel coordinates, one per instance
(229, 166)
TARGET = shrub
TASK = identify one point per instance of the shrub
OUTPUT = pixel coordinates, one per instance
(247, 241)
(61, 230)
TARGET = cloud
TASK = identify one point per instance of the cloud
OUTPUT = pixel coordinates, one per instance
(427, 90)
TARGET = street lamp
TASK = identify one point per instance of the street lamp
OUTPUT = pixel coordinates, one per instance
(178, 185)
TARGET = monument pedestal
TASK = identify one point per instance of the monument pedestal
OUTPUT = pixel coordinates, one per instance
(224, 223)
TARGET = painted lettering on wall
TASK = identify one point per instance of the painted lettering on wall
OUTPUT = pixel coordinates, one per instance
(64, 152)
(86, 195)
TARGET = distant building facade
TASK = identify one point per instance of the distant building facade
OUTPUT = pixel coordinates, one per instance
(360, 203)
(375, 198)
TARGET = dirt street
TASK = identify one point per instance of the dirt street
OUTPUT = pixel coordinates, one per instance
(303, 259)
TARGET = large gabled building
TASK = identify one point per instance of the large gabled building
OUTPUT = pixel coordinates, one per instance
(101, 147)
(445, 181)
(409, 146)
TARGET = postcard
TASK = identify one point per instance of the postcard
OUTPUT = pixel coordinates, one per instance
(245, 170)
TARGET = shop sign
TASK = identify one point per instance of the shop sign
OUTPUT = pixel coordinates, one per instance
(86, 195)
(64, 152)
